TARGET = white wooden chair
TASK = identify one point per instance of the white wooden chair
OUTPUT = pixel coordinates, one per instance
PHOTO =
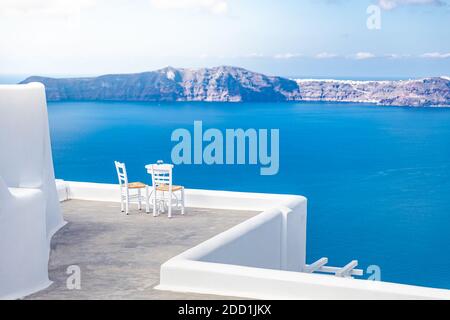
(125, 187)
(162, 185)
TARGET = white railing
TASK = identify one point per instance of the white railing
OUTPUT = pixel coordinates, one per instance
(345, 272)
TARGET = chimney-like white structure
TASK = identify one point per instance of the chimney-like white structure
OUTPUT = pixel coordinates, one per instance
(29, 206)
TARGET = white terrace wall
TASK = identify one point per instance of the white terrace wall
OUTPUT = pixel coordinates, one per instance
(250, 260)
(274, 239)
(183, 275)
(242, 245)
(259, 258)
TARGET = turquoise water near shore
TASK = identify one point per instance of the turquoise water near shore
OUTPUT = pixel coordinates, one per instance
(377, 179)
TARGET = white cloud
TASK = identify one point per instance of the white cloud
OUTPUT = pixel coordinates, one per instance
(392, 4)
(397, 56)
(325, 55)
(436, 55)
(213, 6)
(287, 55)
(254, 55)
(363, 56)
(43, 8)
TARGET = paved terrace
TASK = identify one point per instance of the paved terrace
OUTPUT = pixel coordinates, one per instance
(120, 255)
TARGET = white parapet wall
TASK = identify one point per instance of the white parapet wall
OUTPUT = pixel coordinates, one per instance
(262, 258)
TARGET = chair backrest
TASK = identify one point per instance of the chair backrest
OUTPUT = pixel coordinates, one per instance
(162, 174)
(23, 135)
(121, 174)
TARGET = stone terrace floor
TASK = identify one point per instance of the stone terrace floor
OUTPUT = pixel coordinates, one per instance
(120, 256)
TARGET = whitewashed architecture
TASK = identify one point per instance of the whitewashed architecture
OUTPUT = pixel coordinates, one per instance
(29, 206)
(263, 257)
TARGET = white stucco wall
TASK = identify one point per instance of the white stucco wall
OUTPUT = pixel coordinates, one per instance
(29, 206)
(259, 258)
(242, 246)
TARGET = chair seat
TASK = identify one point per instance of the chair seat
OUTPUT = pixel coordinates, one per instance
(136, 185)
(165, 187)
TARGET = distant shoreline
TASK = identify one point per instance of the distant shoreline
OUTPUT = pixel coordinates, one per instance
(234, 84)
(368, 104)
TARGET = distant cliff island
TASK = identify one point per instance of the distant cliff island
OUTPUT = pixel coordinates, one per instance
(233, 84)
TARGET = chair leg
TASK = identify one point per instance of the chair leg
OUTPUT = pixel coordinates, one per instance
(162, 207)
(154, 202)
(182, 200)
(127, 205)
(169, 213)
(139, 200)
(147, 204)
(122, 207)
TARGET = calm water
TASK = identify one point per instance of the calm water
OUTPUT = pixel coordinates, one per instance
(377, 178)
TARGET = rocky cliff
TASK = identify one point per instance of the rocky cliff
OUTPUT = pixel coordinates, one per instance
(420, 92)
(232, 84)
(170, 84)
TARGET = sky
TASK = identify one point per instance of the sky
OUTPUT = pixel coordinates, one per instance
(296, 38)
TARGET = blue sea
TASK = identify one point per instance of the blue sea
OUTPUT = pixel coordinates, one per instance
(377, 178)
